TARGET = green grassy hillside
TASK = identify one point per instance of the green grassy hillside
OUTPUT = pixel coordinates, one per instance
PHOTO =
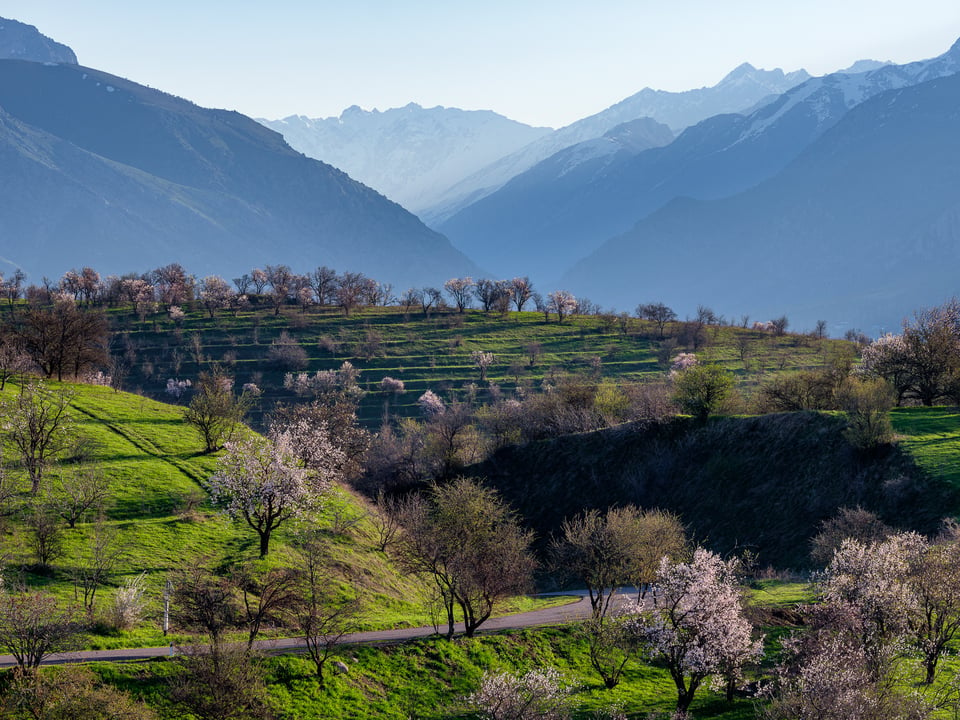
(435, 352)
(429, 679)
(158, 509)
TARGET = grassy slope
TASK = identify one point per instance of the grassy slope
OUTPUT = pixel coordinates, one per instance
(428, 679)
(932, 437)
(431, 353)
(153, 464)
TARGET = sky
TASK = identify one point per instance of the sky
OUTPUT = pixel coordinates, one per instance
(542, 62)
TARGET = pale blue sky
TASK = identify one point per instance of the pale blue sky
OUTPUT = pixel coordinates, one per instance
(544, 62)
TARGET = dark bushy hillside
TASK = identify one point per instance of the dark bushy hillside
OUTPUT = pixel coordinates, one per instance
(762, 483)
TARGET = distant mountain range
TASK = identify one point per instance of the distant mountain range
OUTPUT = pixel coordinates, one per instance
(19, 41)
(574, 201)
(859, 230)
(97, 170)
(834, 198)
(410, 154)
(740, 90)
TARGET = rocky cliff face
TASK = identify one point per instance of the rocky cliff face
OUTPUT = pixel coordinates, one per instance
(19, 41)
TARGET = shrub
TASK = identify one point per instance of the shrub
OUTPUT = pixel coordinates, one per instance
(867, 404)
(286, 353)
(700, 389)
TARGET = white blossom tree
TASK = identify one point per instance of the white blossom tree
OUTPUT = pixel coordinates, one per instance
(695, 625)
(535, 695)
(263, 482)
(461, 290)
(431, 404)
(865, 585)
(562, 303)
(483, 360)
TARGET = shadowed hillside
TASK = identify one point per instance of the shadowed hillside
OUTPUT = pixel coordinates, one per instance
(762, 483)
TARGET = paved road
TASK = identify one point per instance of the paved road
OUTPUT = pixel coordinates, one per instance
(578, 609)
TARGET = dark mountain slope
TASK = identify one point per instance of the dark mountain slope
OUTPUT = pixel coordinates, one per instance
(762, 483)
(208, 179)
(861, 228)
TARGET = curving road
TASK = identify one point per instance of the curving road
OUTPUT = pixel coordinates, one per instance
(578, 609)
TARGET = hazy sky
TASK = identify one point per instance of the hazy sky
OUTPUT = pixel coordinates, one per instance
(544, 62)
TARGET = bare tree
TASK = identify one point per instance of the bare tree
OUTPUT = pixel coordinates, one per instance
(96, 564)
(63, 340)
(623, 546)
(353, 289)
(280, 278)
(779, 325)
(472, 546)
(214, 411)
(461, 290)
(521, 292)
(34, 625)
(324, 282)
(657, 313)
(223, 683)
(13, 358)
(323, 613)
(493, 294)
(266, 595)
(204, 602)
(429, 298)
(46, 533)
(79, 492)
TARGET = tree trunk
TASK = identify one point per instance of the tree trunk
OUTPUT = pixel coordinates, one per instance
(264, 542)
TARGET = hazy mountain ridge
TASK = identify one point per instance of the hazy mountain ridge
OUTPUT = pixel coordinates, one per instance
(574, 212)
(410, 154)
(19, 41)
(211, 189)
(742, 88)
(863, 224)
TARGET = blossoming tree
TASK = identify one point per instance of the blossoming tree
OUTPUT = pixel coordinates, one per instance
(264, 482)
(695, 624)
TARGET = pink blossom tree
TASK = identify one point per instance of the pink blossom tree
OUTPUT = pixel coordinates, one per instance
(695, 625)
(215, 293)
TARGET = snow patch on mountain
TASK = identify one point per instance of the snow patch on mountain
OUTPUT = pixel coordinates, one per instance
(824, 94)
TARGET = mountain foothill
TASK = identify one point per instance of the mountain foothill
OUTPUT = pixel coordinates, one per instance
(824, 198)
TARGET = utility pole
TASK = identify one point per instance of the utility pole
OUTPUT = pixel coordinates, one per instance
(167, 588)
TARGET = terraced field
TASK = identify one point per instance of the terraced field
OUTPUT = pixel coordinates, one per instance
(435, 352)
